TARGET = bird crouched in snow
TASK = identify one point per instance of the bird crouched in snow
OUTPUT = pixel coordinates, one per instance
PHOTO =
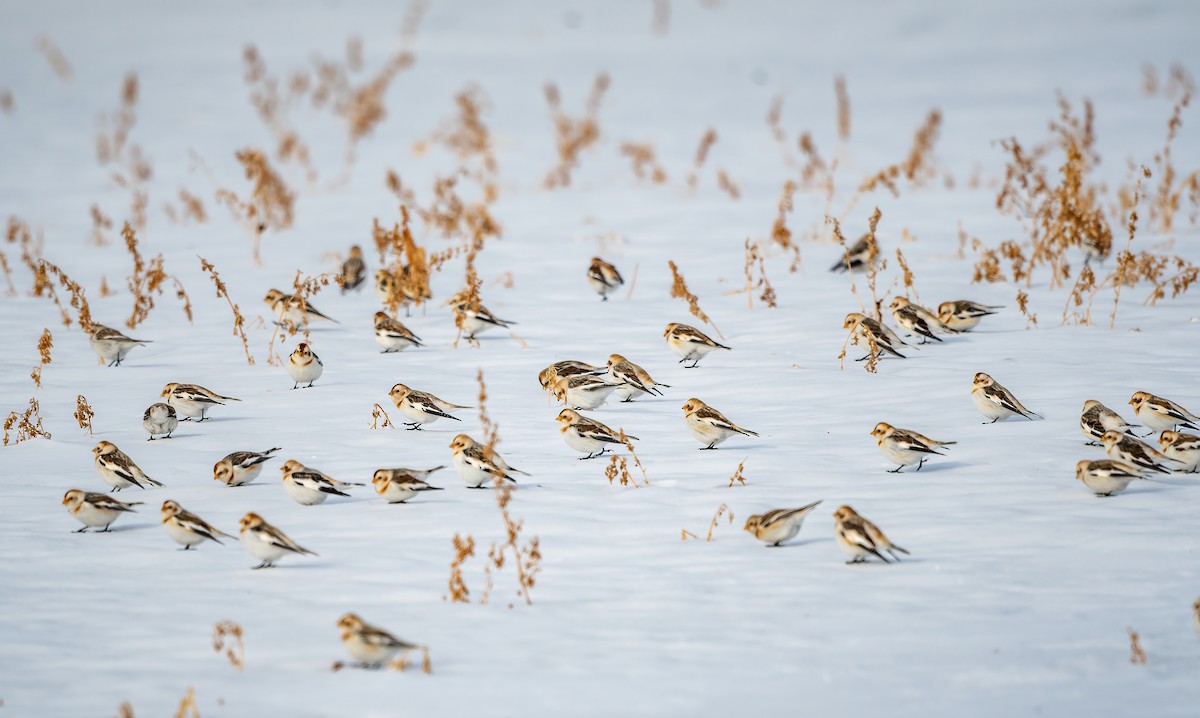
(1161, 414)
(912, 321)
(265, 542)
(963, 315)
(309, 487)
(370, 645)
(995, 402)
(778, 525)
(633, 380)
(473, 318)
(95, 510)
(860, 538)
(583, 391)
(1097, 419)
(566, 369)
(160, 419)
(293, 310)
(1183, 448)
(392, 335)
(186, 528)
(399, 485)
(1106, 477)
(868, 331)
(859, 257)
(241, 467)
(477, 466)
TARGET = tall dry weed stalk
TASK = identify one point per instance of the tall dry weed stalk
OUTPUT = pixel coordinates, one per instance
(722, 510)
(645, 163)
(753, 260)
(187, 705)
(573, 134)
(918, 167)
(42, 277)
(378, 411)
(1137, 655)
(239, 321)
(679, 290)
(57, 60)
(271, 204)
(738, 477)
(843, 108)
(464, 548)
(706, 143)
(133, 169)
(147, 280)
(84, 413)
(728, 186)
(1169, 193)
(45, 343)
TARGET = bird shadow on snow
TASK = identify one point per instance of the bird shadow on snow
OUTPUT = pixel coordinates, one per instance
(933, 468)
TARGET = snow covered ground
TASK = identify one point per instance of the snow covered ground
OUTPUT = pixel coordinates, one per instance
(1021, 583)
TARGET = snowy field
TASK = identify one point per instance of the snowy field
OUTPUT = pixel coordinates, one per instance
(1021, 584)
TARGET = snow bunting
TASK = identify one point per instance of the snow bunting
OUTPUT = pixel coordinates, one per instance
(905, 447)
(930, 317)
(1136, 453)
(1097, 419)
(910, 320)
(632, 379)
(354, 271)
(399, 485)
(1184, 448)
(473, 318)
(392, 335)
(963, 316)
(865, 329)
(293, 310)
(1096, 244)
(603, 277)
(1106, 477)
(304, 366)
(370, 645)
(421, 407)
(94, 510)
(858, 257)
(309, 487)
(111, 345)
(476, 465)
(160, 419)
(778, 525)
(859, 537)
(587, 435)
(690, 343)
(582, 391)
(385, 286)
(708, 425)
(241, 467)
(265, 542)
(191, 401)
(995, 402)
(117, 469)
(186, 528)
(1161, 414)
(564, 369)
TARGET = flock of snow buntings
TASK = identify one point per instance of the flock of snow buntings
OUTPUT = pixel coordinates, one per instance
(583, 387)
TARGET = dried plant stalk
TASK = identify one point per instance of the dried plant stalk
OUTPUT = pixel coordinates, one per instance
(100, 223)
(270, 205)
(376, 412)
(737, 475)
(84, 413)
(187, 705)
(728, 186)
(54, 56)
(8, 103)
(573, 135)
(27, 424)
(645, 163)
(754, 260)
(147, 280)
(227, 640)
(239, 321)
(45, 343)
(679, 290)
(918, 167)
(464, 548)
(45, 270)
(1137, 655)
(706, 142)
(843, 108)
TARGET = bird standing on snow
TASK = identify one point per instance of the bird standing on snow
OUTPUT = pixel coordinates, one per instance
(293, 310)
(160, 419)
(910, 320)
(354, 271)
(309, 487)
(583, 391)
(191, 401)
(995, 402)
(95, 510)
(905, 447)
(860, 538)
(186, 528)
(1106, 477)
(478, 466)
(421, 407)
(1097, 419)
(633, 380)
(1161, 414)
(265, 542)
(117, 469)
(963, 316)
(708, 425)
(392, 335)
(603, 277)
(565, 369)
(865, 329)
(859, 257)
(111, 345)
(1184, 448)
(778, 525)
(1135, 453)
(690, 343)
(587, 435)
(304, 366)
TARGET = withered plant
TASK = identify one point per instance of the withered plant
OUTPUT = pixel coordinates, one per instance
(1137, 655)
(468, 137)
(192, 209)
(11, 291)
(270, 204)
(722, 510)
(133, 170)
(706, 142)
(239, 321)
(573, 135)
(918, 167)
(44, 271)
(147, 280)
(1167, 195)
(728, 186)
(679, 290)
(464, 548)
(645, 163)
(376, 412)
(754, 261)
(44, 345)
(187, 705)
(843, 108)
(54, 56)
(8, 103)
(84, 413)
(227, 641)
(738, 477)
(24, 425)
(100, 224)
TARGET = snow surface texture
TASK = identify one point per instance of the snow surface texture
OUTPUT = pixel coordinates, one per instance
(1021, 583)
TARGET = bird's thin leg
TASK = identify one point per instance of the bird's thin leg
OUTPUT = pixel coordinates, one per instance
(85, 528)
(896, 470)
(920, 464)
(185, 548)
(150, 439)
(295, 386)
